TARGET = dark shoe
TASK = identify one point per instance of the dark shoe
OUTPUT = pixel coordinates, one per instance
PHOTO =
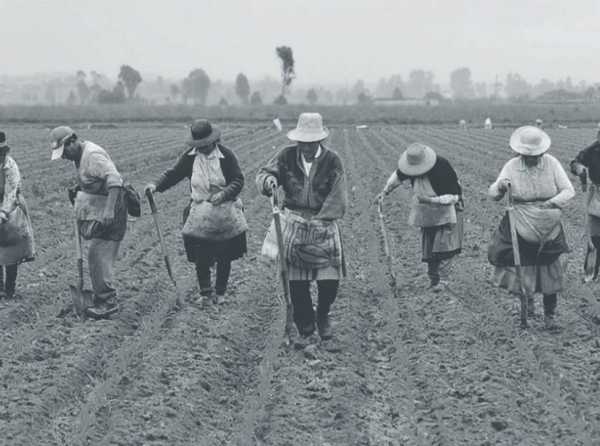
(530, 307)
(220, 299)
(325, 330)
(102, 311)
(307, 330)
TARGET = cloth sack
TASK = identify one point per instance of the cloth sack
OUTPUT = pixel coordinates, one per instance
(425, 215)
(15, 229)
(308, 244)
(537, 225)
(215, 222)
(133, 201)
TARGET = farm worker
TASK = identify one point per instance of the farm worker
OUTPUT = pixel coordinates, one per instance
(587, 165)
(487, 124)
(16, 233)
(540, 189)
(436, 208)
(214, 230)
(100, 209)
(314, 185)
(539, 123)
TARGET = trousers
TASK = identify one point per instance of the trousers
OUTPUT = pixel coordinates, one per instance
(304, 315)
(102, 255)
(8, 280)
(204, 280)
(439, 270)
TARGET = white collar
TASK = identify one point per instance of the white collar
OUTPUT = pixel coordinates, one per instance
(215, 153)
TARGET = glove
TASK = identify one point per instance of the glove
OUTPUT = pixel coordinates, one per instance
(3, 217)
(217, 198)
(270, 184)
(150, 187)
(72, 191)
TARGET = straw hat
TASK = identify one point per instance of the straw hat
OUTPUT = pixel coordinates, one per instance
(417, 160)
(309, 128)
(530, 141)
(203, 134)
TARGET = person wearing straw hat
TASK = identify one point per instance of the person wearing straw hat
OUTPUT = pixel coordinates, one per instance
(313, 181)
(540, 189)
(214, 230)
(100, 209)
(16, 232)
(586, 165)
(436, 208)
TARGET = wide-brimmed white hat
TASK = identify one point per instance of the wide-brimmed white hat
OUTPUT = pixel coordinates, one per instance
(417, 159)
(309, 128)
(530, 141)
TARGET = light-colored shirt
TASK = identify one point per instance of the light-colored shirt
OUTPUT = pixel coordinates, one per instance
(12, 184)
(308, 165)
(207, 176)
(546, 181)
(393, 182)
(97, 172)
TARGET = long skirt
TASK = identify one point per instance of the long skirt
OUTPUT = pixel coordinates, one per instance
(16, 237)
(540, 265)
(212, 251)
(442, 242)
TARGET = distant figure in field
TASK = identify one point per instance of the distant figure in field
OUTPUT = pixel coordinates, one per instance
(540, 189)
(539, 123)
(487, 124)
(16, 233)
(462, 124)
(100, 209)
(436, 209)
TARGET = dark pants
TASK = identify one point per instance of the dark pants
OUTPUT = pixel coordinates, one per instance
(203, 273)
(550, 301)
(304, 315)
(8, 280)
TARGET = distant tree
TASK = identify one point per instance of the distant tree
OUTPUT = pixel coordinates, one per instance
(363, 98)
(50, 93)
(71, 99)
(516, 86)
(280, 100)
(397, 94)
(419, 83)
(312, 97)
(358, 88)
(256, 99)
(288, 72)
(196, 86)
(481, 90)
(175, 91)
(116, 96)
(83, 91)
(130, 78)
(242, 88)
(461, 83)
(434, 96)
(223, 102)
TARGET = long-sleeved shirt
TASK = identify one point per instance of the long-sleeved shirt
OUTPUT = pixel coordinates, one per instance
(11, 186)
(546, 181)
(97, 172)
(320, 192)
(589, 158)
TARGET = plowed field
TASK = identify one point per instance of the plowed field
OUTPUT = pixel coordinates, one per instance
(406, 366)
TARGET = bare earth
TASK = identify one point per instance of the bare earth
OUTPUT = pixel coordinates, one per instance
(406, 366)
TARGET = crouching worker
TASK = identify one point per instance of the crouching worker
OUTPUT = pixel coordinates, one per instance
(100, 209)
(313, 182)
(437, 208)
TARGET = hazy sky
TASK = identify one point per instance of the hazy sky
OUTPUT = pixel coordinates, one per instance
(333, 40)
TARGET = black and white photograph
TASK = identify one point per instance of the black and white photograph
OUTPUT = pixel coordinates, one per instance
(299, 223)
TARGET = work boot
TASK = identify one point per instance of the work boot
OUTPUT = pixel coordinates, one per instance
(306, 330)
(324, 326)
(220, 298)
(103, 310)
(530, 307)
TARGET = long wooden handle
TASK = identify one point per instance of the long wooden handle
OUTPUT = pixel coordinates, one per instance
(79, 253)
(163, 246)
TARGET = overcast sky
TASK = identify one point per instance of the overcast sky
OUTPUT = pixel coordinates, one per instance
(332, 40)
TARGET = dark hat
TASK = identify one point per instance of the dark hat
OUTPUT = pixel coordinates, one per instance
(3, 140)
(203, 133)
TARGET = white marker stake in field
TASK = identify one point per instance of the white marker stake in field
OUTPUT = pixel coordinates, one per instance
(277, 124)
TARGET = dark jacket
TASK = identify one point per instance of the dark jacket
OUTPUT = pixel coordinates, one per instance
(590, 158)
(183, 169)
(442, 177)
(323, 193)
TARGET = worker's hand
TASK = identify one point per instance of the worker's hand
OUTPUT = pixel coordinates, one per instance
(270, 184)
(423, 200)
(217, 198)
(108, 217)
(3, 217)
(547, 205)
(503, 184)
(150, 188)
(72, 192)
